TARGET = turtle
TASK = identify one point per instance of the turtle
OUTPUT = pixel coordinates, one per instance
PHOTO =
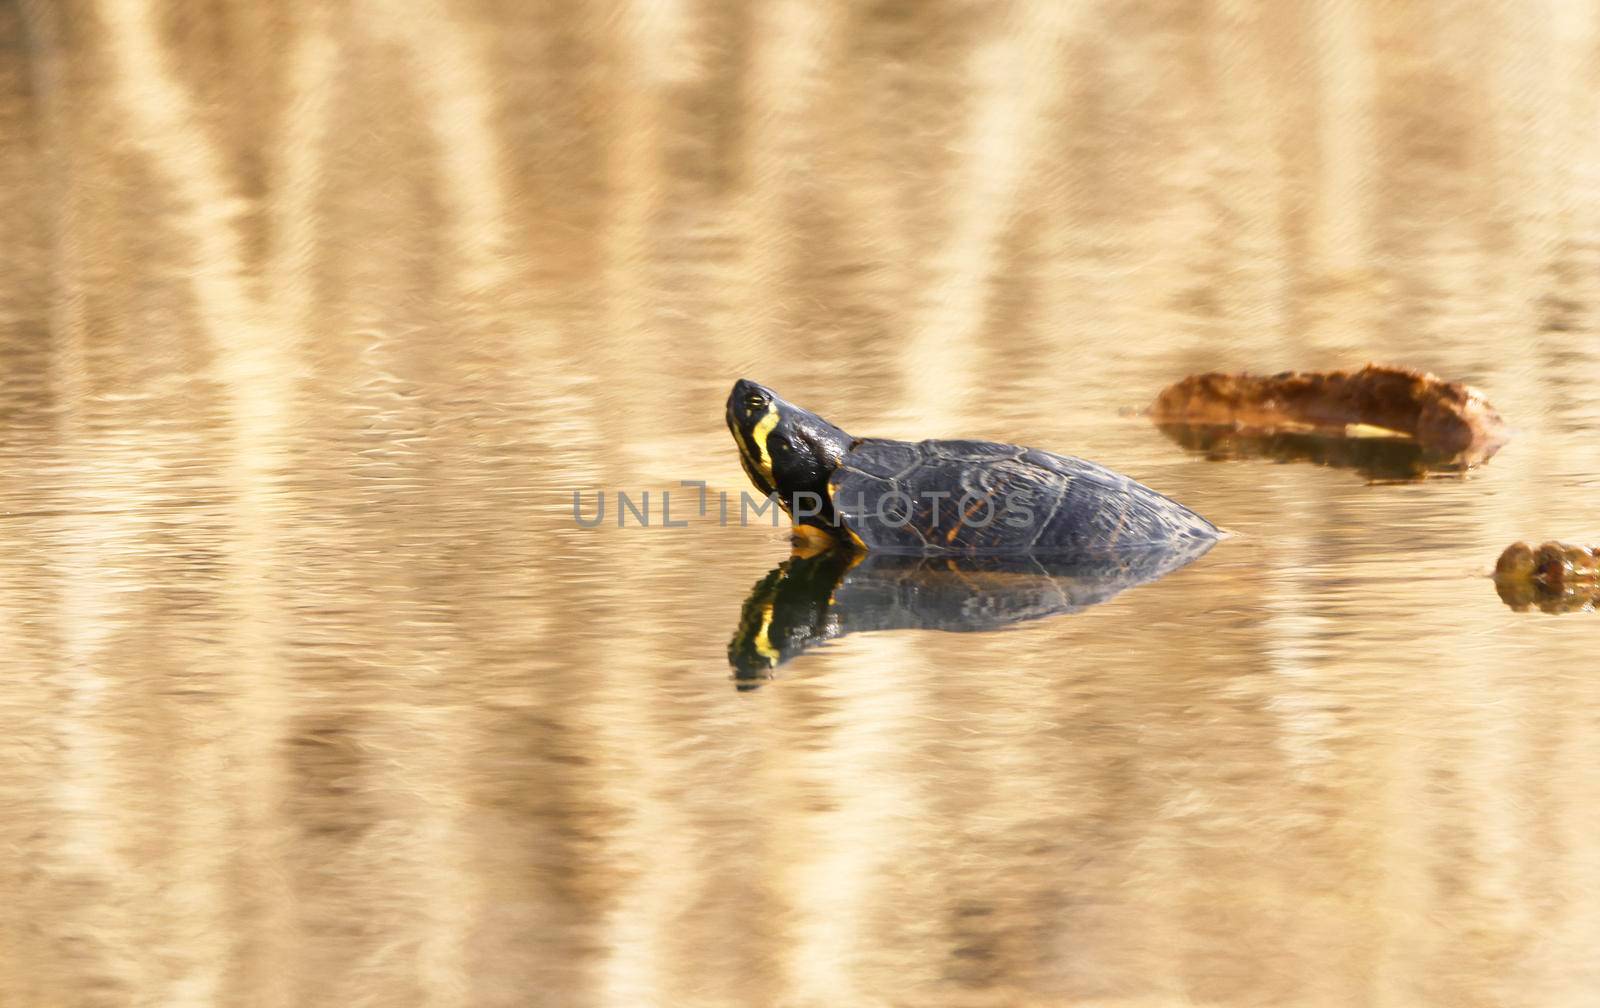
(943, 497)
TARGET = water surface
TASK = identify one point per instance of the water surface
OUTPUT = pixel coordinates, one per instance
(312, 321)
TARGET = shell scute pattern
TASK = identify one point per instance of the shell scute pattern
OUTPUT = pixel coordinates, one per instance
(884, 459)
(1067, 504)
(970, 451)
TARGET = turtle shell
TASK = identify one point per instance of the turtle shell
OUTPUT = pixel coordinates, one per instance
(981, 498)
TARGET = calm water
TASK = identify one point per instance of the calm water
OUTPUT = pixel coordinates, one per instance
(312, 321)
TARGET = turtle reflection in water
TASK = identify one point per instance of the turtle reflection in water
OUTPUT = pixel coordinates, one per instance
(809, 600)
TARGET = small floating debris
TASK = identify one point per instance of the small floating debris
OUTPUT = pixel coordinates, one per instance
(1442, 425)
(1553, 576)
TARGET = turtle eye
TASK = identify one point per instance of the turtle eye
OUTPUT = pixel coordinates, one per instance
(755, 402)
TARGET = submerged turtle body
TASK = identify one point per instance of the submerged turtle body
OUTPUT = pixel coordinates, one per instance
(984, 498)
(945, 498)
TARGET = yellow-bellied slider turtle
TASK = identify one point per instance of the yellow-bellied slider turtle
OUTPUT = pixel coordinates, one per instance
(945, 497)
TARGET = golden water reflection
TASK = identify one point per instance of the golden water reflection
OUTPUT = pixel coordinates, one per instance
(314, 316)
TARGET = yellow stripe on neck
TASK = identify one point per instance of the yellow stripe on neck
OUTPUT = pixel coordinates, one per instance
(763, 638)
(763, 431)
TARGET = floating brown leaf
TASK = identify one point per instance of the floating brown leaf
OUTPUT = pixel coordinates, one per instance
(1452, 423)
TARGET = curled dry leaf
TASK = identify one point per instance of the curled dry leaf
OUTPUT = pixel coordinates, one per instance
(1450, 422)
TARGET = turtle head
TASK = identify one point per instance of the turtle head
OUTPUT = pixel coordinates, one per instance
(785, 449)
